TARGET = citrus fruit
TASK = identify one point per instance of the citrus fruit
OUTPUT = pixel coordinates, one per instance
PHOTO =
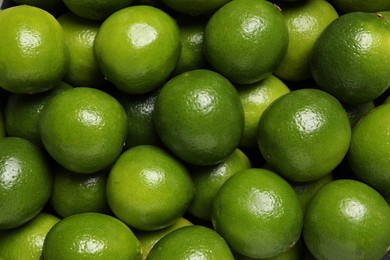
(304, 134)
(25, 181)
(258, 213)
(148, 188)
(79, 38)
(357, 112)
(245, 40)
(91, 236)
(196, 7)
(191, 37)
(370, 148)
(140, 111)
(199, 117)
(347, 6)
(33, 56)
(149, 238)
(78, 193)
(191, 242)
(255, 98)
(22, 113)
(83, 129)
(305, 21)
(52, 6)
(96, 10)
(26, 241)
(347, 219)
(355, 68)
(209, 179)
(137, 48)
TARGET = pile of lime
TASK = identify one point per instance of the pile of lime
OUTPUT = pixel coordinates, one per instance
(202, 129)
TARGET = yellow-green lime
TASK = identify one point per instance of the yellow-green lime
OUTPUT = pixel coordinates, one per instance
(245, 40)
(22, 113)
(305, 21)
(347, 219)
(199, 117)
(149, 238)
(96, 10)
(350, 58)
(83, 129)
(33, 55)
(347, 6)
(79, 38)
(148, 188)
(304, 134)
(25, 181)
(26, 241)
(191, 242)
(255, 98)
(195, 7)
(137, 48)
(209, 179)
(370, 149)
(91, 236)
(258, 213)
(75, 193)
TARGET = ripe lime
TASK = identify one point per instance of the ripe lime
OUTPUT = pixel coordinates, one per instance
(83, 129)
(369, 152)
(191, 242)
(26, 241)
(33, 55)
(305, 21)
(96, 10)
(137, 48)
(350, 59)
(255, 98)
(304, 134)
(79, 38)
(209, 179)
(25, 181)
(22, 113)
(149, 238)
(195, 7)
(91, 236)
(245, 40)
(78, 193)
(258, 213)
(148, 188)
(199, 117)
(347, 219)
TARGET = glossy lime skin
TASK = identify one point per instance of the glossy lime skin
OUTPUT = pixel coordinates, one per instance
(78, 193)
(148, 188)
(347, 219)
(24, 174)
(83, 129)
(189, 243)
(22, 113)
(26, 241)
(137, 48)
(258, 213)
(304, 134)
(196, 7)
(91, 236)
(245, 40)
(369, 151)
(199, 117)
(209, 179)
(354, 68)
(33, 55)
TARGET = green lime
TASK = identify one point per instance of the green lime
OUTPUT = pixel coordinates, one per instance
(245, 40)
(199, 117)
(33, 55)
(304, 134)
(258, 213)
(25, 181)
(347, 219)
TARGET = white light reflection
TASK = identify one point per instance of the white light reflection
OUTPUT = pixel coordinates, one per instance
(9, 173)
(354, 209)
(141, 35)
(308, 121)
